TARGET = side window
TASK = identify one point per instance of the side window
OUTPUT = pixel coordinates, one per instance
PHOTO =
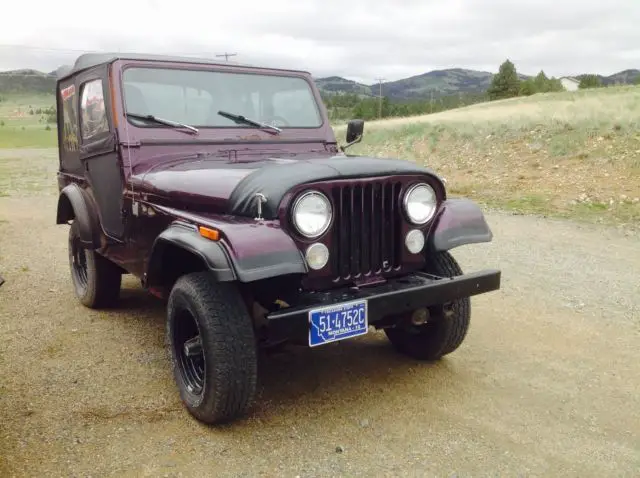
(69, 118)
(93, 115)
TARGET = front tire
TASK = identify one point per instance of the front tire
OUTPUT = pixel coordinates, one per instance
(96, 280)
(445, 331)
(213, 348)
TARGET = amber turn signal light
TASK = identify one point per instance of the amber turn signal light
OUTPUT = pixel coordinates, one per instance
(209, 233)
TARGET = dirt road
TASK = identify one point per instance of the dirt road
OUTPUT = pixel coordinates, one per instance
(546, 383)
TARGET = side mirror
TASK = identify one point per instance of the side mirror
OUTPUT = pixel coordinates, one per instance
(355, 130)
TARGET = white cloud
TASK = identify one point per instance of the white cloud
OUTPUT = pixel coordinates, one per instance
(357, 39)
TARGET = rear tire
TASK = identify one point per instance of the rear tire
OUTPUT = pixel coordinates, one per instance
(216, 373)
(96, 280)
(444, 332)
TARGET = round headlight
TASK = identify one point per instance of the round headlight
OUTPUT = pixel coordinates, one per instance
(414, 240)
(420, 203)
(312, 214)
(317, 256)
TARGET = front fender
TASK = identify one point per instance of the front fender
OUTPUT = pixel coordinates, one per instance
(186, 237)
(74, 203)
(253, 250)
(263, 251)
(460, 222)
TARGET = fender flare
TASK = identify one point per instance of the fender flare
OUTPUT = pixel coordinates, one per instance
(186, 237)
(75, 203)
(218, 259)
(460, 222)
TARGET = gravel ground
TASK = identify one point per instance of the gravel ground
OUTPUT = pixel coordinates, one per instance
(545, 384)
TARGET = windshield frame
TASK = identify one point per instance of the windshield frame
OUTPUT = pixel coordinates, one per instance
(231, 69)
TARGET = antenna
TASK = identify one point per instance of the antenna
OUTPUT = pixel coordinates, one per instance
(226, 55)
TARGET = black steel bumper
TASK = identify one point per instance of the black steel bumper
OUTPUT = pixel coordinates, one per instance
(396, 295)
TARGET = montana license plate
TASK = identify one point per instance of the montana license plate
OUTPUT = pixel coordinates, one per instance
(337, 322)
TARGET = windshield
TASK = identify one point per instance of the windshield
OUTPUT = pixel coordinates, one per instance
(194, 97)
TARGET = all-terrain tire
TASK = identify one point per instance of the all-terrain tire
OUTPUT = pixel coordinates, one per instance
(219, 385)
(441, 335)
(96, 280)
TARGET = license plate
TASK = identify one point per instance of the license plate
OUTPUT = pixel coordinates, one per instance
(337, 322)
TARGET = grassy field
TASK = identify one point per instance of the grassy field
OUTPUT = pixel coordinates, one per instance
(560, 154)
(19, 128)
(28, 172)
(566, 154)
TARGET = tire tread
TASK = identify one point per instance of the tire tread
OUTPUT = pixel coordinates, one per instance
(104, 279)
(446, 264)
(227, 333)
(445, 336)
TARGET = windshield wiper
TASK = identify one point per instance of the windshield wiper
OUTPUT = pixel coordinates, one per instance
(244, 120)
(165, 122)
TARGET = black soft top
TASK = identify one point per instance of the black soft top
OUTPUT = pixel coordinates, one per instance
(89, 60)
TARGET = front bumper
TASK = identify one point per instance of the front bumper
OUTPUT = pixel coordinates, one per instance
(394, 297)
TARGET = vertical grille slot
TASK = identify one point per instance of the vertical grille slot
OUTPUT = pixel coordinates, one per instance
(366, 237)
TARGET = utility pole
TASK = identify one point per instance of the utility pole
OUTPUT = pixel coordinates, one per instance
(380, 80)
(227, 55)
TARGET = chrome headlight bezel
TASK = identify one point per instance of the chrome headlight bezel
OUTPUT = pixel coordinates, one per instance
(298, 203)
(407, 198)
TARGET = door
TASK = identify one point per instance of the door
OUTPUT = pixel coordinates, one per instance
(98, 152)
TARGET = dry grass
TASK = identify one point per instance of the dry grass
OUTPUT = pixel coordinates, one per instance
(562, 154)
(28, 172)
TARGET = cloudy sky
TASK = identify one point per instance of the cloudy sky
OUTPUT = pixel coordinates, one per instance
(361, 40)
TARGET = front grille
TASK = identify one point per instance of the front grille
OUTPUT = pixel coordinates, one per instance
(367, 229)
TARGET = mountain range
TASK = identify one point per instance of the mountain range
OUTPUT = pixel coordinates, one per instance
(441, 83)
(435, 83)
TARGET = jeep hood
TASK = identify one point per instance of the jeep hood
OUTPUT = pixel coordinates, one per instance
(230, 187)
(195, 182)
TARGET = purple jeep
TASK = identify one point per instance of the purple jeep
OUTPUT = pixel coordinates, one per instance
(223, 189)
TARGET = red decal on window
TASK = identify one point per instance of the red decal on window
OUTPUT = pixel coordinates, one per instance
(68, 92)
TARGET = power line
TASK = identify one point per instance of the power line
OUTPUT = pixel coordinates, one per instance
(380, 80)
(23, 75)
(41, 48)
(118, 49)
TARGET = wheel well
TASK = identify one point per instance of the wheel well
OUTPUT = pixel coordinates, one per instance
(267, 292)
(76, 204)
(65, 210)
(171, 262)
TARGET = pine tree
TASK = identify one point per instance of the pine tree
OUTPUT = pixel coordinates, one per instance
(590, 81)
(528, 87)
(555, 84)
(542, 82)
(505, 84)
